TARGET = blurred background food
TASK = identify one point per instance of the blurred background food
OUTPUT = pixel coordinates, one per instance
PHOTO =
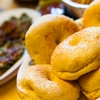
(53, 7)
(27, 1)
(12, 36)
(71, 8)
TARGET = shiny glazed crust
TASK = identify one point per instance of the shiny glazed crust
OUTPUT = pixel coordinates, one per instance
(78, 54)
(39, 83)
(45, 34)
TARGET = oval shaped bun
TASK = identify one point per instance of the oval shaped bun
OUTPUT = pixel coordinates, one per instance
(90, 84)
(91, 16)
(78, 54)
(45, 34)
(39, 83)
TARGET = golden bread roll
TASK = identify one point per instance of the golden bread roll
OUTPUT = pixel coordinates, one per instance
(45, 34)
(39, 83)
(90, 84)
(91, 16)
(78, 54)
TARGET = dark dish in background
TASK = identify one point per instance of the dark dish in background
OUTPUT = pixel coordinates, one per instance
(71, 8)
(76, 7)
(54, 7)
(27, 1)
(50, 7)
(12, 35)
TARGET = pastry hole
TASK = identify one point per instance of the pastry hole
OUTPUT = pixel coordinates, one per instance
(48, 77)
(57, 41)
(74, 41)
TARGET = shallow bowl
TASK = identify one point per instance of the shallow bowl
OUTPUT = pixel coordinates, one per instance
(75, 8)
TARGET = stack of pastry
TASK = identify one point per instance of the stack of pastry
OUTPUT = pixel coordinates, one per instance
(66, 59)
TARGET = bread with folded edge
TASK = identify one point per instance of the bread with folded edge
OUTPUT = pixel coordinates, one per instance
(40, 83)
(90, 84)
(77, 55)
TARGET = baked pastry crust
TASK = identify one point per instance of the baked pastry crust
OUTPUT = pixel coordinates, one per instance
(39, 83)
(78, 54)
(90, 84)
(45, 34)
(91, 16)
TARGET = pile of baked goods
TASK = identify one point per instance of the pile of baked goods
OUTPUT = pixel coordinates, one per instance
(66, 58)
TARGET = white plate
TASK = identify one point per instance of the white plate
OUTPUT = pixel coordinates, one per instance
(10, 73)
(25, 65)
